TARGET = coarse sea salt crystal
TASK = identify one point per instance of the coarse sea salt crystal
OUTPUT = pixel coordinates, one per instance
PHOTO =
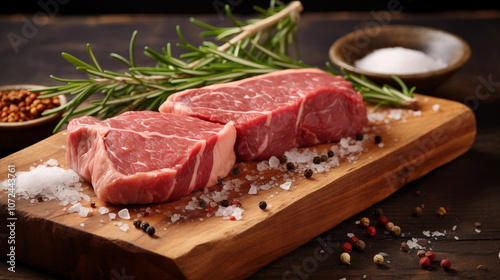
(112, 216)
(124, 227)
(75, 208)
(286, 185)
(84, 211)
(398, 60)
(124, 214)
(274, 162)
(435, 107)
(103, 210)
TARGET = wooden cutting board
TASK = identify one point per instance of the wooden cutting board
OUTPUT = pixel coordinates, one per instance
(201, 247)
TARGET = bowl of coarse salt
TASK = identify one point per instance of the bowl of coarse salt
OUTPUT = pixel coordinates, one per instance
(423, 57)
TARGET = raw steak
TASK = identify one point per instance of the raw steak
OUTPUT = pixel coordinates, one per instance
(277, 111)
(149, 157)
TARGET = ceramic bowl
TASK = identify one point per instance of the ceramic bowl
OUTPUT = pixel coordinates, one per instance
(438, 44)
(18, 135)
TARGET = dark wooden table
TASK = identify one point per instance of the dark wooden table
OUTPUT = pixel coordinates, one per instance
(469, 187)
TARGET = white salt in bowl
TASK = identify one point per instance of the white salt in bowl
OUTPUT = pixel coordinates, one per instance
(437, 45)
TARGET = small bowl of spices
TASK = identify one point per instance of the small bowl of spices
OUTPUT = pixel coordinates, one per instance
(423, 57)
(21, 120)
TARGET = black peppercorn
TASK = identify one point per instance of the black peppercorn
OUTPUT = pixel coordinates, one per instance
(137, 223)
(378, 139)
(359, 137)
(317, 160)
(377, 212)
(324, 158)
(290, 166)
(308, 173)
(150, 230)
(262, 205)
(202, 203)
(283, 159)
(144, 225)
(330, 153)
(236, 171)
(224, 203)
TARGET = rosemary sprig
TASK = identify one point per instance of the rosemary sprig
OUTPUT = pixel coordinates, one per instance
(249, 48)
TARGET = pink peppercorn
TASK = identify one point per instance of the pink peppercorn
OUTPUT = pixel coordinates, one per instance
(425, 262)
(232, 218)
(382, 220)
(430, 255)
(347, 247)
(353, 240)
(446, 264)
(371, 231)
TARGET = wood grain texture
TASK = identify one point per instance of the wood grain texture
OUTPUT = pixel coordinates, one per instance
(217, 248)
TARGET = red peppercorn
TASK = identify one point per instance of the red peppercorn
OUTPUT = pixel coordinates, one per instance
(353, 240)
(347, 247)
(232, 218)
(425, 262)
(430, 255)
(446, 264)
(371, 231)
(382, 220)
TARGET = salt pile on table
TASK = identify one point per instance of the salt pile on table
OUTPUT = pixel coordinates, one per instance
(399, 60)
(49, 182)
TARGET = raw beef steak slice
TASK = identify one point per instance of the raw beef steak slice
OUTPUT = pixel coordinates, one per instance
(149, 157)
(277, 111)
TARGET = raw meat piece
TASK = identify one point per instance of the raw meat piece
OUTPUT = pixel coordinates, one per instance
(277, 111)
(149, 157)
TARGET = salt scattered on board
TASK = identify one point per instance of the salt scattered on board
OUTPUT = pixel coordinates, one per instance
(398, 60)
(124, 214)
(50, 182)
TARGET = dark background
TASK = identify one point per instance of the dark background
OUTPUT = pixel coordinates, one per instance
(61, 7)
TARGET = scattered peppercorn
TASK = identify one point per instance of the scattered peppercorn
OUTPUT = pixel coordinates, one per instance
(359, 137)
(404, 246)
(347, 247)
(481, 267)
(219, 180)
(425, 262)
(262, 205)
(290, 166)
(382, 220)
(137, 223)
(421, 253)
(144, 225)
(308, 173)
(371, 231)
(236, 171)
(224, 203)
(441, 212)
(232, 218)
(150, 230)
(353, 240)
(345, 258)
(324, 158)
(202, 203)
(365, 221)
(378, 139)
(389, 226)
(477, 224)
(330, 153)
(378, 259)
(360, 245)
(92, 204)
(39, 198)
(396, 231)
(417, 211)
(316, 160)
(430, 255)
(283, 159)
(377, 212)
(446, 264)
